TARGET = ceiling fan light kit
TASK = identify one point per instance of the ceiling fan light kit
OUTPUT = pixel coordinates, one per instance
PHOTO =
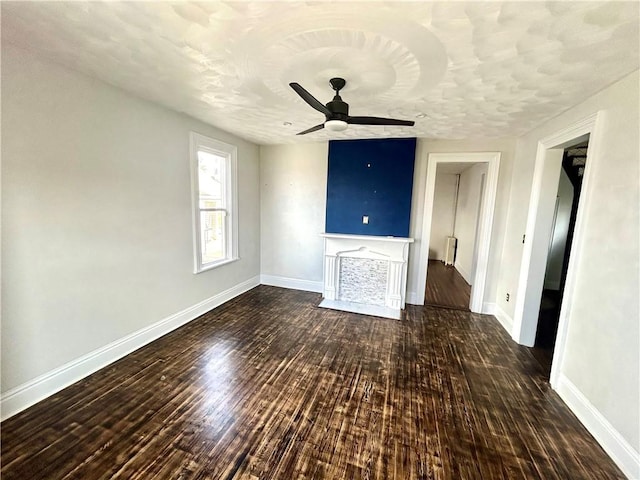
(336, 111)
(336, 125)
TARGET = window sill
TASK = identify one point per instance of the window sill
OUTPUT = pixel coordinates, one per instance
(212, 266)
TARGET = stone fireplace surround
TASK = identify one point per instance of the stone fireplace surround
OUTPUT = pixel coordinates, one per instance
(365, 274)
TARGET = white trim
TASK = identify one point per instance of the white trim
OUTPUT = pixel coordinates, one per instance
(19, 398)
(211, 266)
(367, 238)
(198, 142)
(505, 320)
(485, 226)
(292, 283)
(411, 298)
(537, 237)
(362, 308)
(525, 318)
(620, 451)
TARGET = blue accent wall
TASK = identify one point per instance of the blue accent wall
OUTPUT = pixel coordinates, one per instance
(372, 178)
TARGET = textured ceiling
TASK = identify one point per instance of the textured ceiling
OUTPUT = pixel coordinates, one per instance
(479, 69)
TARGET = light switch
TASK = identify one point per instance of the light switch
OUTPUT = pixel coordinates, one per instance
(365, 219)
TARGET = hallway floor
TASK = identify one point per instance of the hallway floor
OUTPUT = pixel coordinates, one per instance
(446, 287)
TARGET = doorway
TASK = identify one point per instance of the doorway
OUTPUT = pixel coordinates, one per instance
(565, 213)
(478, 275)
(548, 164)
(453, 243)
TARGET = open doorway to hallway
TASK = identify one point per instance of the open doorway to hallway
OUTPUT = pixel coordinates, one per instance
(453, 243)
(484, 225)
(564, 218)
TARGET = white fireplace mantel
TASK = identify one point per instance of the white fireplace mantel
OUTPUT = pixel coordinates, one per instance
(365, 274)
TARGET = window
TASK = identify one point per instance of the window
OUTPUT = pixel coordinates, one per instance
(215, 217)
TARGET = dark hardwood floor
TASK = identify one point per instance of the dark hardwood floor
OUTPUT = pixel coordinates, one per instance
(446, 287)
(269, 386)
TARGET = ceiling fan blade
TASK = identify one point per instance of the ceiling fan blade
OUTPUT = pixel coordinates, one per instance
(310, 99)
(379, 121)
(312, 129)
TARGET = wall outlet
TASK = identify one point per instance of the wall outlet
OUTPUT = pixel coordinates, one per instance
(508, 296)
(365, 219)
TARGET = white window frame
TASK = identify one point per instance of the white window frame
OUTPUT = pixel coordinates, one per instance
(198, 143)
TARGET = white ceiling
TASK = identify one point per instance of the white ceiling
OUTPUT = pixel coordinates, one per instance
(478, 69)
(453, 168)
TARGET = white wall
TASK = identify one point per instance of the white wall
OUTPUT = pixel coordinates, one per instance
(467, 218)
(443, 214)
(601, 357)
(553, 273)
(293, 192)
(96, 220)
(423, 149)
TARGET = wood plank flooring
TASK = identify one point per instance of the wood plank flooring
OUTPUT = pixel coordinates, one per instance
(269, 386)
(446, 287)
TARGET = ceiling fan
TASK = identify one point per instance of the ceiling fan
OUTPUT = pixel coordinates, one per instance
(337, 111)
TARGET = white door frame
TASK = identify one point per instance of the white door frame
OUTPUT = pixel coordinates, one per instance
(534, 256)
(485, 225)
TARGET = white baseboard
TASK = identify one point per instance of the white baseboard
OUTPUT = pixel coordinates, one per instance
(463, 272)
(19, 398)
(620, 451)
(505, 320)
(292, 283)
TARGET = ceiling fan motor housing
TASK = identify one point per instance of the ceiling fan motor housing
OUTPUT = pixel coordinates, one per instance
(339, 109)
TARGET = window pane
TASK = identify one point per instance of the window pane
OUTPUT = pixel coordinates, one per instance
(213, 169)
(211, 180)
(212, 236)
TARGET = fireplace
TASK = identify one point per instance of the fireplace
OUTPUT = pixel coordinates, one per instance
(365, 274)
